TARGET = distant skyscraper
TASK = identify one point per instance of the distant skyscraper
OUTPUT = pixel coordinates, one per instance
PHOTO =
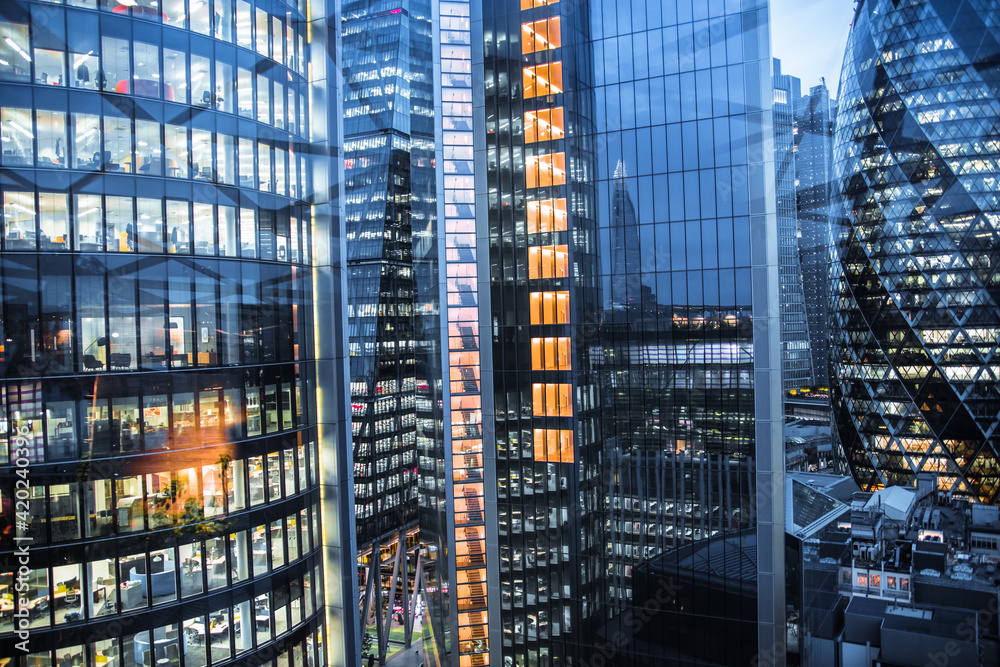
(916, 303)
(626, 265)
(814, 172)
(796, 360)
(388, 180)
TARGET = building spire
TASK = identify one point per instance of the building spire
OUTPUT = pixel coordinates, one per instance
(620, 171)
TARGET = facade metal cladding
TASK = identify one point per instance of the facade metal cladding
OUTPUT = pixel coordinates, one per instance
(916, 302)
(165, 263)
(631, 384)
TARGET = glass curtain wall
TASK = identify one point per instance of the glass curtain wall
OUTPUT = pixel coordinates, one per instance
(914, 304)
(157, 370)
(541, 406)
(635, 359)
(377, 165)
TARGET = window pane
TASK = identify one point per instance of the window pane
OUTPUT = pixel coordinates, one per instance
(18, 139)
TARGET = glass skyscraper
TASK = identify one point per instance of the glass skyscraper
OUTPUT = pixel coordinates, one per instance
(608, 230)
(815, 197)
(915, 303)
(167, 260)
(388, 188)
(796, 359)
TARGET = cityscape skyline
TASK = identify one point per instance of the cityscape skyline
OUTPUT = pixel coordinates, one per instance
(471, 333)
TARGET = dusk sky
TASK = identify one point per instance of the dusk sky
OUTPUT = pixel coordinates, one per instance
(809, 37)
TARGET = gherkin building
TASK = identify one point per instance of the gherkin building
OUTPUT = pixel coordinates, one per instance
(916, 269)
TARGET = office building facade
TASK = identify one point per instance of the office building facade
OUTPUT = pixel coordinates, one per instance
(388, 191)
(587, 162)
(915, 311)
(167, 260)
(796, 358)
(814, 116)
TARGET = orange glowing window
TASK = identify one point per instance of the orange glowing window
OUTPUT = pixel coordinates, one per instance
(466, 403)
(553, 445)
(542, 80)
(542, 171)
(467, 490)
(550, 354)
(544, 125)
(548, 261)
(472, 633)
(469, 462)
(540, 35)
(466, 533)
(528, 4)
(549, 307)
(471, 596)
(463, 358)
(467, 619)
(552, 400)
(547, 215)
(475, 659)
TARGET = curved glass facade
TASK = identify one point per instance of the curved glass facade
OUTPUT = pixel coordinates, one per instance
(159, 445)
(915, 302)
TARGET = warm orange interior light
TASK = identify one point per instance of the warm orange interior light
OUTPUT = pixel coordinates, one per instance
(541, 35)
(544, 125)
(547, 215)
(546, 170)
(550, 354)
(549, 307)
(553, 445)
(551, 400)
(543, 79)
(548, 261)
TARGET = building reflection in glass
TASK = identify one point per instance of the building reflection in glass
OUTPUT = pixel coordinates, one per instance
(156, 357)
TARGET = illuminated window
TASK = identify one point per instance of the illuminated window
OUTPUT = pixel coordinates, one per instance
(553, 445)
(546, 215)
(476, 659)
(528, 4)
(545, 170)
(540, 35)
(466, 533)
(552, 400)
(862, 579)
(543, 125)
(550, 354)
(548, 262)
(549, 307)
(542, 80)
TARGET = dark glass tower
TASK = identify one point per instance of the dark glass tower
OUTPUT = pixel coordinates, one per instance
(796, 360)
(539, 226)
(388, 187)
(627, 250)
(815, 184)
(376, 52)
(916, 303)
(166, 262)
